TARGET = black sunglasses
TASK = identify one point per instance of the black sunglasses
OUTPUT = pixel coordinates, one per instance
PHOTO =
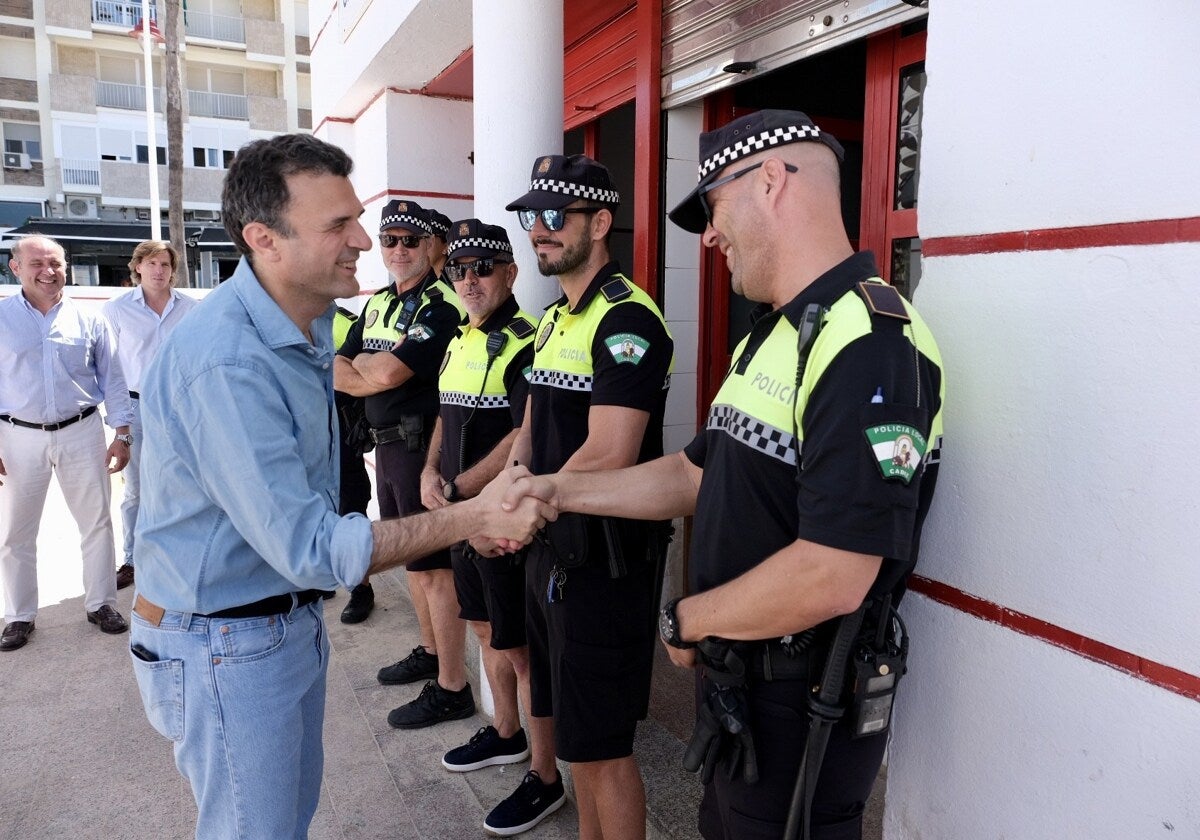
(720, 182)
(552, 219)
(410, 240)
(483, 267)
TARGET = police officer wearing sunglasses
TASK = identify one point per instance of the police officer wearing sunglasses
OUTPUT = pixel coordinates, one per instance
(391, 356)
(601, 369)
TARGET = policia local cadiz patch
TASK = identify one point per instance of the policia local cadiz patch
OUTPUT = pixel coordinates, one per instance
(627, 347)
(898, 449)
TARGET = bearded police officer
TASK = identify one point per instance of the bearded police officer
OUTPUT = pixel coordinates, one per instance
(597, 395)
(781, 550)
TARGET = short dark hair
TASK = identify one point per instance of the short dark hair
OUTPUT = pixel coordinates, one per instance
(256, 185)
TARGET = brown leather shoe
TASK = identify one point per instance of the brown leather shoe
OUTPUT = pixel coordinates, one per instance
(16, 635)
(124, 576)
(110, 620)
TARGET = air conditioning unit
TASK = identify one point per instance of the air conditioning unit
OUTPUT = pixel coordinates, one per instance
(81, 207)
(206, 215)
(17, 160)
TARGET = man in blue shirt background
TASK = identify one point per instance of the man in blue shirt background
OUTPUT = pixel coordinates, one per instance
(238, 533)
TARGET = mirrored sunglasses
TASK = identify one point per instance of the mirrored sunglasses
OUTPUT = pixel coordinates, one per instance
(411, 240)
(552, 219)
(482, 267)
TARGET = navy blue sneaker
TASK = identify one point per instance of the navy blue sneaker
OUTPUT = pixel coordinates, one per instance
(486, 748)
(529, 804)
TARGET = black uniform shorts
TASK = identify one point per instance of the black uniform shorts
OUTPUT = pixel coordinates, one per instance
(591, 653)
(779, 720)
(491, 589)
(398, 485)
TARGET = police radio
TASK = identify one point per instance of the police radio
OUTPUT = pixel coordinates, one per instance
(877, 666)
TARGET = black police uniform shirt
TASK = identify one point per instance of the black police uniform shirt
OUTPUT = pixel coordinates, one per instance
(501, 400)
(613, 348)
(433, 326)
(866, 390)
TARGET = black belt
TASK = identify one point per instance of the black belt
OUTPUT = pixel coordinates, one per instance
(135, 395)
(774, 660)
(274, 605)
(50, 427)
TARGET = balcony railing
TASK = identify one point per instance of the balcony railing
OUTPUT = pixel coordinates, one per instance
(214, 27)
(228, 106)
(79, 173)
(119, 13)
(131, 97)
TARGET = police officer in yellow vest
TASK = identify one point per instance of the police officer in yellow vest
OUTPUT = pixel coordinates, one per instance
(484, 386)
(356, 484)
(809, 494)
(391, 357)
(597, 396)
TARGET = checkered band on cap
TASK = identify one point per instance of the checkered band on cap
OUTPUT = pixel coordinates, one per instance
(405, 219)
(478, 242)
(760, 141)
(577, 190)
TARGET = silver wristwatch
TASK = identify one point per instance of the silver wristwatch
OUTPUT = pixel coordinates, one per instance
(125, 439)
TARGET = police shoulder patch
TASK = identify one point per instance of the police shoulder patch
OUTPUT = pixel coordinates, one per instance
(883, 300)
(520, 327)
(544, 335)
(420, 332)
(897, 448)
(627, 347)
(616, 289)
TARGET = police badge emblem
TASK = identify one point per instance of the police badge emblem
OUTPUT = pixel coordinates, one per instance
(544, 335)
(464, 229)
(543, 166)
(372, 317)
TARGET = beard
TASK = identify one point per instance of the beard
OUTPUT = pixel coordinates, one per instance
(571, 258)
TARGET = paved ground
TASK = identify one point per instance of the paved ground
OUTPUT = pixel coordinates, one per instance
(80, 759)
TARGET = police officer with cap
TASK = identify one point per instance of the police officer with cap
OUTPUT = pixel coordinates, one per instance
(439, 223)
(809, 485)
(391, 356)
(601, 369)
(484, 385)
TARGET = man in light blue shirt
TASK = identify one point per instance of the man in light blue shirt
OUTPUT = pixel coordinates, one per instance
(58, 364)
(238, 532)
(141, 319)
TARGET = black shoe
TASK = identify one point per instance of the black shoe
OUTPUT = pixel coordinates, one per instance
(362, 601)
(486, 748)
(16, 635)
(110, 620)
(529, 804)
(433, 705)
(124, 576)
(418, 665)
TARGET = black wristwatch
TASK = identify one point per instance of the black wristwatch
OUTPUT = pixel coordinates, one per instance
(668, 626)
(450, 491)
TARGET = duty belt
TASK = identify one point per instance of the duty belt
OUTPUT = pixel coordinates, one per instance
(50, 427)
(388, 434)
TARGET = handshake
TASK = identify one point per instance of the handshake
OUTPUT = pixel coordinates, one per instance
(513, 507)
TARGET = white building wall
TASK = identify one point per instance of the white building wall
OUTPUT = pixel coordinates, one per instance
(1065, 486)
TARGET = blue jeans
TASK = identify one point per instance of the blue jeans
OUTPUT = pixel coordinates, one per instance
(133, 485)
(243, 700)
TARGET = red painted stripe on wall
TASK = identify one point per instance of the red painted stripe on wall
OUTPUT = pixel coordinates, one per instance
(1155, 673)
(1154, 232)
(417, 194)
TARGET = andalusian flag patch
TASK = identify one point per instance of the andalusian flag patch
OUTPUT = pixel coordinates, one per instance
(627, 347)
(898, 449)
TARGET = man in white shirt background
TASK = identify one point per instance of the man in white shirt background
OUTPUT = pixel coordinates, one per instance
(59, 363)
(141, 319)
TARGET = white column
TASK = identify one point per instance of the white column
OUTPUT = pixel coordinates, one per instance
(151, 134)
(518, 116)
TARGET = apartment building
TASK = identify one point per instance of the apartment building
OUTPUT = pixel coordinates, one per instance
(77, 154)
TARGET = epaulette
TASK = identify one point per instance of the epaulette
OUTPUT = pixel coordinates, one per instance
(616, 290)
(883, 301)
(434, 295)
(520, 327)
(346, 313)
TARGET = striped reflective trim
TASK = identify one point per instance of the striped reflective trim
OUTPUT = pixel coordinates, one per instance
(754, 433)
(378, 343)
(558, 379)
(934, 455)
(468, 400)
